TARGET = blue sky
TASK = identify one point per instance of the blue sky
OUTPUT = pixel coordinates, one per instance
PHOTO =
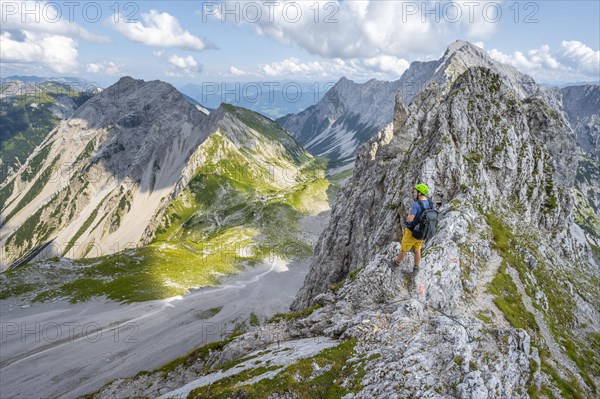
(193, 42)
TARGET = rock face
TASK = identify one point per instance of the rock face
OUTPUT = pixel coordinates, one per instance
(478, 139)
(346, 117)
(581, 104)
(102, 179)
(501, 160)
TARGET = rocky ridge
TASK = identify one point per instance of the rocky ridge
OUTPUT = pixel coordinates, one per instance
(506, 304)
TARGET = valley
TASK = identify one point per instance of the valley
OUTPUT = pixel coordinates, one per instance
(82, 346)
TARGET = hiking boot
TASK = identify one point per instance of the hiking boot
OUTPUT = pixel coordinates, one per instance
(393, 264)
(415, 271)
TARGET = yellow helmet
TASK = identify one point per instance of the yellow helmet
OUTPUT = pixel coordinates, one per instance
(422, 188)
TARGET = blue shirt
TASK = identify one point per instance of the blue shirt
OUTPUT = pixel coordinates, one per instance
(416, 210)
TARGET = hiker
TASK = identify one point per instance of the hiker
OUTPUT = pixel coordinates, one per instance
(421, 202)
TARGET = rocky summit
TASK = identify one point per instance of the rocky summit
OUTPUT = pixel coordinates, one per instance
(507, 300)
(351, 113)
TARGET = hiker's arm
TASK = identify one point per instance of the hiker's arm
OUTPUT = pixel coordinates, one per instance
(411, 217)
(404, 219)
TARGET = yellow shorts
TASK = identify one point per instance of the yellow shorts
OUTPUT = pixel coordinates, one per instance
(409, 242)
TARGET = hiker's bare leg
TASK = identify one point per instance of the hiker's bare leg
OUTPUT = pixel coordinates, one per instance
(400, 257)
(417, 258)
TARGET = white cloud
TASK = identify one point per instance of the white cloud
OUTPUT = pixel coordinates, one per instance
(56, 52)
(572, 61)
(535, 60)
(577, 54)
(382, 67)
(388, 64)
(104, 67)
(37, 35)
(293, 67)
(157, 53)
(237, 72)
(365, 29)
(182, 66)
(183, 62)
(161, 30)
(43, 17)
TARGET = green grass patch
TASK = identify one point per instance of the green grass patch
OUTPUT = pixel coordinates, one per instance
(510, 302)
(352, 276)
(586, 359)
(299, 380)
(355, 273)
(32, 231)
(5, 193)
(254, 320)
(484, 316)
(455, 205)
(336, 286)
(157, 271)
(502, 235)
(209, 313)
(338, 177)
(196, 356)
(310, 197)
(88, 222)
(295, 315)
(35, 164)
(568, 389)
(87, 152)
(561, 305)
(473, 157)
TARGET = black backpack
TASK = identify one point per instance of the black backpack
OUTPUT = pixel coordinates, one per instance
(426, 226)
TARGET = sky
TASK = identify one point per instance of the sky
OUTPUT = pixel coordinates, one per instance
(556, 42)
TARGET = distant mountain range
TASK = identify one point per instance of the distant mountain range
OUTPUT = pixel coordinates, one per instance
(77, 83)
(568, 84)
(270, 98)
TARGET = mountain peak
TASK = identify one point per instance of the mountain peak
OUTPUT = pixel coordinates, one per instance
(461, 45)
(458, 57)
(462, 55)
(129, 82)
(128, 79)
(129, 96)
(468, 53)
(343, 84)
